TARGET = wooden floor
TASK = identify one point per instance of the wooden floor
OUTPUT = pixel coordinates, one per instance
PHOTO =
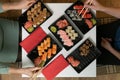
(115, 3)
(102, 77)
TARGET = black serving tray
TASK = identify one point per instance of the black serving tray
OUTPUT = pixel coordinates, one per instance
(34, 53)
(83, 60)
(38, 18)
(73, 13)
(58, 36)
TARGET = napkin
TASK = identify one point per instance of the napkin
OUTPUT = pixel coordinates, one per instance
(55, 67)
(33, 39)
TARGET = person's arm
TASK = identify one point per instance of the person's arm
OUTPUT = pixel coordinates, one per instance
(109, 10)
(115, 53)
(27, 71)
(6, 69)
(105, 44)
(22, 4)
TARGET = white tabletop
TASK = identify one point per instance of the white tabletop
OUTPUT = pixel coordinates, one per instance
(59, 10)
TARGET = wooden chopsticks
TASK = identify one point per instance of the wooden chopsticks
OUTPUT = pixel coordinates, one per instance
(90, 2)
(34, 77)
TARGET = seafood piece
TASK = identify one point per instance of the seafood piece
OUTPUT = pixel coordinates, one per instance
(62, 23)
(69, 27)
(29, 13)
(89, 23)
(69, 11)
(49, 53)
(73, 61)
(28, 24)
(29, 18)
(40, 53)
(78, 7)
(37, 61)
(65, 38)
(61, 32)
(44, 56)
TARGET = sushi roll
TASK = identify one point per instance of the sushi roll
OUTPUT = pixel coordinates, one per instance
(87, 47)
(44, 12)
(69, 27)
(72, 15)
(54, 51)
(72, 31)
(39, 48)
(35, 6)
(39, 4)
(48, 42)
(32, 10)
(35, 13)
(33, 16)
(38, 10)
(75, 34)
(69, 11)
(73, 38)
(49, 53)
(44, 56)
(70, 34)
(67, 31)
(29, 13)
(40, 53)
(29, 18)
(54, 46)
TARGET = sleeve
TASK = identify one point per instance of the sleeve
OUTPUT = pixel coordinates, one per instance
(1, 10)
(4, 68)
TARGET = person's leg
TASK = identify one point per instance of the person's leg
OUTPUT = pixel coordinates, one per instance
(107, 31)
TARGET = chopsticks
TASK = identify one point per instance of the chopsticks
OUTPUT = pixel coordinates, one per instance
(90, 2)
(34, 77)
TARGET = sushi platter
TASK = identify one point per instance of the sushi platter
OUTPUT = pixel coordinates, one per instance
(83, 55)
(34, 16)
(44, 51)
(83, 18)
(68, 31)
(64, 31)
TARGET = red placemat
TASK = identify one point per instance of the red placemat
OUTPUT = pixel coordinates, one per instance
(55, 67)
(33, 39)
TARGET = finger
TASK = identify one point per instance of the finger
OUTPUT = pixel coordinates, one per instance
(87, 1)
(36, 68)
(109, 39)
(103, 39)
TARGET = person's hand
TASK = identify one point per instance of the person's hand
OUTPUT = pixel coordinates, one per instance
(105, 43)
(30, 71)
(24, 4)
(95, 5)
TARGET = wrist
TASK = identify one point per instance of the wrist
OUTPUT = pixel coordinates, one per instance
(111, 49)
(9, 6)
(15, 71)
